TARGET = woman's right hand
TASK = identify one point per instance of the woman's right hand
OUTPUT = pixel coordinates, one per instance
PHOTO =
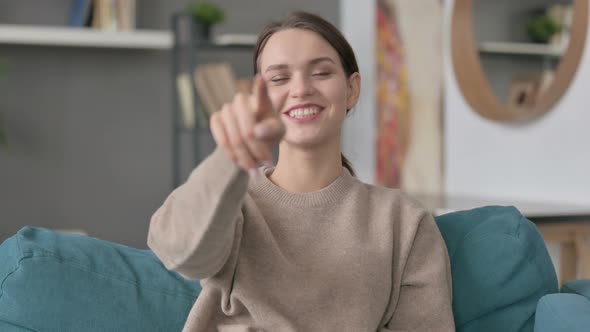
(245, 127)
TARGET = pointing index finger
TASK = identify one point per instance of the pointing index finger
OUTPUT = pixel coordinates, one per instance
(263, 106)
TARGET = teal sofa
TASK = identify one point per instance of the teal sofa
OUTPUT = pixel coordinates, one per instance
(503, 280)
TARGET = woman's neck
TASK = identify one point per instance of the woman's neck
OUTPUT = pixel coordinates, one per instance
(307, 170)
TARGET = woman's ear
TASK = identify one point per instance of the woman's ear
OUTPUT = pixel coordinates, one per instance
(354, 90)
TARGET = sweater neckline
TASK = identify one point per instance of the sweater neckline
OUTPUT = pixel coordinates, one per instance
(330, 194)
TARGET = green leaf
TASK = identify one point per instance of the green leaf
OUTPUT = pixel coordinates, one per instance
(541, 28)
(206, 12)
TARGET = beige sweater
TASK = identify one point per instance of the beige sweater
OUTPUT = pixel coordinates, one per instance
(350, 257)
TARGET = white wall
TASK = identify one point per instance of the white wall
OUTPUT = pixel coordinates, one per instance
(357, 23)
(547, 160)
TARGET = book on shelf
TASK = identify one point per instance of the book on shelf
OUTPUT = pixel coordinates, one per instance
(223, 81)
(205, 90)
(126, 14)
(113, 15)
(186, 101)
(80, 13)
(215, 84)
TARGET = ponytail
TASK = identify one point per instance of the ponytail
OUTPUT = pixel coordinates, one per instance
(347, 164)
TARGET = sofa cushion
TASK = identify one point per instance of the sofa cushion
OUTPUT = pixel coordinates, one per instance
(500, 268)
(56, 282)
(563, 313)
(580, 287)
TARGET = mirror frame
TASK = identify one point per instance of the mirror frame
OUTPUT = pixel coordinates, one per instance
(472, 80)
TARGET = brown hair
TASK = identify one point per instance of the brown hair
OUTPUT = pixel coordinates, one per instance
(311, 22)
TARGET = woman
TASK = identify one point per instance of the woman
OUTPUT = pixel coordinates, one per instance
(303, 246)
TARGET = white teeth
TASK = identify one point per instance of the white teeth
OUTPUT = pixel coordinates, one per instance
(303, 112)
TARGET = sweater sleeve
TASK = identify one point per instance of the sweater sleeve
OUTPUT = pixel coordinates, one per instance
(425, 298)
(193, 231)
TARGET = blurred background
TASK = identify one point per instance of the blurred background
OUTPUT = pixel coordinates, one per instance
(89, 125)
(104, 103)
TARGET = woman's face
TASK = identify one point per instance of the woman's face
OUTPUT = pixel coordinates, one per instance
(307, 86)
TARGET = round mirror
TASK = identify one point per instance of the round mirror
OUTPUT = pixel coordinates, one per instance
(514, 59)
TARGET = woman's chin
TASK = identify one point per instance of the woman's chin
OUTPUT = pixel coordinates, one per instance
(308, 138)
(303, 142)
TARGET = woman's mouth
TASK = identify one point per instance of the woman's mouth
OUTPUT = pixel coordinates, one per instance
(305, 113)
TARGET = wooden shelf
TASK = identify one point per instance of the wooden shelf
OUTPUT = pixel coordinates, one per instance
(84, 37)
(521, 49)
(235, 39)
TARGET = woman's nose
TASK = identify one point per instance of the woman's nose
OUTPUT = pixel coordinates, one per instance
(301, 86)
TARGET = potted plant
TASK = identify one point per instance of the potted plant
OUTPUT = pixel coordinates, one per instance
(541, 28)
(205, 14)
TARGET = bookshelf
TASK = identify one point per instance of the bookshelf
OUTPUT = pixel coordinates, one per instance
(58, 36)
(187, 53)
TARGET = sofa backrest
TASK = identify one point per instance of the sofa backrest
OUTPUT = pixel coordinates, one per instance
(55, 282)
(500, 267)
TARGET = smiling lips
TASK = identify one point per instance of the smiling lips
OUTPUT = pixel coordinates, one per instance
(303, 113)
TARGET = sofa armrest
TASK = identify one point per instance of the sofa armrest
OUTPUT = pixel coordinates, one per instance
(562, 313)
(580, 287)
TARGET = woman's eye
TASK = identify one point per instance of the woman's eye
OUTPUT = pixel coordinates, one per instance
(322, 73)
(276, 79)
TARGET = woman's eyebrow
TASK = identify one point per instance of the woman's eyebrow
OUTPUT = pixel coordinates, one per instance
(276, 67)
(321, 59)
(311, 62)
